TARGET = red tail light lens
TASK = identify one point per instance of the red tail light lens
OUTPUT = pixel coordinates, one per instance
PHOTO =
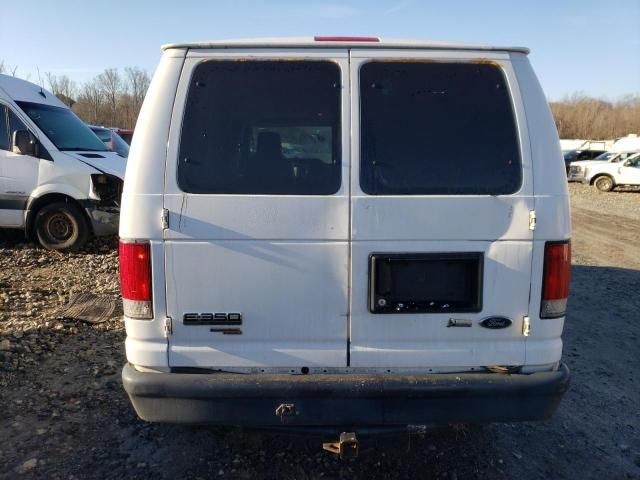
(555, 279)
(135, 279)
(346, 39)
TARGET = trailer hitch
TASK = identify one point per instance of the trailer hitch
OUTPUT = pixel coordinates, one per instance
(346, 447)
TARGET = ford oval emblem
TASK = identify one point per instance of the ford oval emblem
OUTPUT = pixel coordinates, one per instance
(495, 323)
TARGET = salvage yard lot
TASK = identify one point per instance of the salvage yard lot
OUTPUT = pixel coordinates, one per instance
(65, 415)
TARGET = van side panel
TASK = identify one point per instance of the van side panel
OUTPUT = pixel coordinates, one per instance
(142, 195)
(142, 204)
(544, 345)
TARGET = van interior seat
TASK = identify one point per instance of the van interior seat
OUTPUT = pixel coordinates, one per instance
(269, 162)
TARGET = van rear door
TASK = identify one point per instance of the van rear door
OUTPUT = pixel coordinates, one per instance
(257, 190)
(441, 200)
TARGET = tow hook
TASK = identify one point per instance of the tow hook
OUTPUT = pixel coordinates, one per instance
(346, 447)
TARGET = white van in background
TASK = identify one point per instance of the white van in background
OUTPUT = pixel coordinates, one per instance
(301, 246)
(58, 181)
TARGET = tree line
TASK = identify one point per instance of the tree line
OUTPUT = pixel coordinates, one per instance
(114, 99)
(581, 116)
(110, 98)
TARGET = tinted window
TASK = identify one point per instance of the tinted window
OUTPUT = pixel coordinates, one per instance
(65, 130)
(4, 131)
(118, 145)
(262, 127)
(622, 156)
(437, 128)
(112, 141)
(102, 133)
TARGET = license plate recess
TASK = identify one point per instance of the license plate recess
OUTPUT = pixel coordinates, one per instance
(425, 282)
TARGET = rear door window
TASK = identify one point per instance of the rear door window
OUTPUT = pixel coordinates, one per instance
(432, 128)
(262, 127)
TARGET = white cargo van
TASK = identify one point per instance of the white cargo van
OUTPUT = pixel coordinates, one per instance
(58, 181)
(302, 246)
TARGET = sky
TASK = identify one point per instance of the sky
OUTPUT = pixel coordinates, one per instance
(586, 46)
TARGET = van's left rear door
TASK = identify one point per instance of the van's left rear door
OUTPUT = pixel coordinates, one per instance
(257, 189)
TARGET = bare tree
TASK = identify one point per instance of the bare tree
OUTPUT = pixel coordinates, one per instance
(580, 116)
(5, 68)
(111, 87)
(90, 103)
(62, 87)
(138, 81)
(113, 100)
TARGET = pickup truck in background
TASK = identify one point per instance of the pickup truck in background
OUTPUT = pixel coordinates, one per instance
(607, 175)
(576, 169)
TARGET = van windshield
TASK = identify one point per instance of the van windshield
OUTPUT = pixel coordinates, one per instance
(65, 130)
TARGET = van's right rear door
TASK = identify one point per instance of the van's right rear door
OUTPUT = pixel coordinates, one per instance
(441, 197)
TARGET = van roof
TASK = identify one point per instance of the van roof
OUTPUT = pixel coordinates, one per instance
(340, 41)
(21, 90)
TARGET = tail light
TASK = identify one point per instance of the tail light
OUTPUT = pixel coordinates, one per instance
(555, 279)
(346, 39)
(135, 279)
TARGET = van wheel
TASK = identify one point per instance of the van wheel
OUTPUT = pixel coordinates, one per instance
(604, 183)
(61, 226)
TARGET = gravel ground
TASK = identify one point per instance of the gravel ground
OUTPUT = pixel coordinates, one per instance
(65, 415)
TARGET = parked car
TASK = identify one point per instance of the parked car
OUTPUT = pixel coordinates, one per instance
(605, 176)
(577, 155)
(371, 277)
(111, 140)
(125, 134)
(58, 181)
(576, 169)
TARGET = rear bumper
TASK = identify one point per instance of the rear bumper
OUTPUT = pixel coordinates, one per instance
(343, 400)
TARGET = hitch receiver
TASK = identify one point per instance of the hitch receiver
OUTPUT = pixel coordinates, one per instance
(346, 447)
(286, 411)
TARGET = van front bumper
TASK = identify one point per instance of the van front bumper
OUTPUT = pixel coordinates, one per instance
(263, 400)
(104, 220)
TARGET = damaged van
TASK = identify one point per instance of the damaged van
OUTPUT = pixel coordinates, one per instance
(58, 181)
(344, 234)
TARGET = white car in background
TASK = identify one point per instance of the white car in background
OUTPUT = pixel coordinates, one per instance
(607, 175)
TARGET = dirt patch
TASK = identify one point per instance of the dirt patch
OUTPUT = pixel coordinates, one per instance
(65, 415)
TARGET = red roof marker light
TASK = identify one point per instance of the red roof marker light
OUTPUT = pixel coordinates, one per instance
(346, 39)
